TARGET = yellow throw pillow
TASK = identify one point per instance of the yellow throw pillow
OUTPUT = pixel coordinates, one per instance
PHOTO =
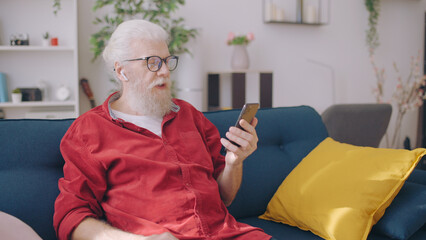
(339, 191)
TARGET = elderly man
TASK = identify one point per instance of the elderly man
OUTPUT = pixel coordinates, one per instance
(144, 165)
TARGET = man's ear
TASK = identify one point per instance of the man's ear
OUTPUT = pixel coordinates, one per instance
(119, 72)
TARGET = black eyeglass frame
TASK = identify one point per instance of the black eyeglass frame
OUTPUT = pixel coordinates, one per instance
(159, 65)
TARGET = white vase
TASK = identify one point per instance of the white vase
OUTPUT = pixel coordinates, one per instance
(240, 58)
(16, 97)
(45, 42)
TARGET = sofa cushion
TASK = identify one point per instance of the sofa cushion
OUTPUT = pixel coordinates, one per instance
(340, 190)
(418, 176)
(29, 171)
(278, 230)
(419, 235)
(286, 136)
(406, 214)
(285, 232)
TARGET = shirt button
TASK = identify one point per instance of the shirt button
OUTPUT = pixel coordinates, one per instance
(188, 184)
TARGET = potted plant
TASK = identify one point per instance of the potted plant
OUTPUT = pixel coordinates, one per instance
(45, 41)
(156, 11)
(240, 58)
(16, 95)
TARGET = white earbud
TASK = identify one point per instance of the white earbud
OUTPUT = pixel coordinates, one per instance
(124, 76)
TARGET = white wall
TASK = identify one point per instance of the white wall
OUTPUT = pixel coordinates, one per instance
(286, 49)
(94, 72)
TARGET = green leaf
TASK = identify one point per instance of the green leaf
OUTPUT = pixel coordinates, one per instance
(372, 37)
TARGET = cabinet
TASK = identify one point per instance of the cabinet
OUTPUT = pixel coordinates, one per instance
(38, 66)
(306, 12)
(232, 89)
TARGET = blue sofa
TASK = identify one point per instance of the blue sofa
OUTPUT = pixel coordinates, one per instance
(31, 165)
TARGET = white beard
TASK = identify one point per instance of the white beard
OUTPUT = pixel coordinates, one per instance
(146, 100)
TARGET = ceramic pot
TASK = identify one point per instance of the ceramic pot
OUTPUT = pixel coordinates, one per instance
(16, 97)
(240, 58)
(54, 41)
(45, 42)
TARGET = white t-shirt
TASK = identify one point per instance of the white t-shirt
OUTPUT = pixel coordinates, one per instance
(151, 123)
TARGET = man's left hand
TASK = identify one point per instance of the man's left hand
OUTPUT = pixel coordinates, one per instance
(247, 139)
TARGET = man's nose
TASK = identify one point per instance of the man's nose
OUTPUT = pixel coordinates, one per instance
(164, 70)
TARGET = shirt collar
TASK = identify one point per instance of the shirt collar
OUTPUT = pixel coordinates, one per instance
(113, 97)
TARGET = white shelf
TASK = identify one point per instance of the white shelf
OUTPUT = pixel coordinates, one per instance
(291, 22)
(37, 65)
(37, 104)
(36, 48)
(299, 12)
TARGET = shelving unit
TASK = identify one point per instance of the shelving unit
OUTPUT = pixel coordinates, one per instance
(231, 89)
(37, 104)
(36, 65)
(288, 22)
(35, 48)
(302, 12)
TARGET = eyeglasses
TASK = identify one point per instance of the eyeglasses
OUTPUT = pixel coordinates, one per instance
(154, 63)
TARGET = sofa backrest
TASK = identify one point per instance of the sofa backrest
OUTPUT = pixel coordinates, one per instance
(286, 136)
(30, 166)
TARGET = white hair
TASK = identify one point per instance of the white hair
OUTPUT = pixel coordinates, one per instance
(118, 47)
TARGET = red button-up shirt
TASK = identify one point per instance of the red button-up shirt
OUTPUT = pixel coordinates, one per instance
(146, 184)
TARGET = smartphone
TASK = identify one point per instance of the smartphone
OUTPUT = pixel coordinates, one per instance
(247, 113)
